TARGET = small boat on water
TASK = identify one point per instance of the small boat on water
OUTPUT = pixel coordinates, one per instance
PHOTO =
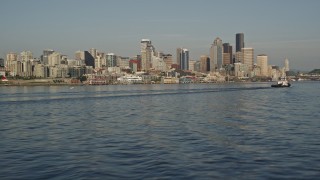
(283, 82)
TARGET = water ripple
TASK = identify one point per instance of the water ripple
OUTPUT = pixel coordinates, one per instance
(207, 131)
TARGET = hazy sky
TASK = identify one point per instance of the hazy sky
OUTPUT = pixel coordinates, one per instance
(278, 28)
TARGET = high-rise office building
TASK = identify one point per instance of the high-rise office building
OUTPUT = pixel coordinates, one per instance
(11, 56)
(204, 64)
(26, 56)
(89, 59)
(11, 61)
(191, 65)
(54, 59)
(147, 51)
(239, 41)
(178, 56)
(111, 60)
(248, 57)
(227, 54)
(183, 60)
(216, 55)
(262, 62)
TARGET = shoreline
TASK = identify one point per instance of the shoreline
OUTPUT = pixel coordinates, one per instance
(21, 83)
(12, 83)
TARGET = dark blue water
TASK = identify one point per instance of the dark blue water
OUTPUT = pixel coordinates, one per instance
(205, 131)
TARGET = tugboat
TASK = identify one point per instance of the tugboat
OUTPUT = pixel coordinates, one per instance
(282, 83)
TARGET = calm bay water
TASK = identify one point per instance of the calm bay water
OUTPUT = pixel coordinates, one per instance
(192, 131)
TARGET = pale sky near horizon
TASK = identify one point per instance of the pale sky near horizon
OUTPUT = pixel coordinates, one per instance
(278, 28)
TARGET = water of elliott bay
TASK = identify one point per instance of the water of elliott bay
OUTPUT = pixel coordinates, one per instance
(187, 131)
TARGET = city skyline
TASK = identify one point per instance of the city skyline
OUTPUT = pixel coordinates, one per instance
(279, 29)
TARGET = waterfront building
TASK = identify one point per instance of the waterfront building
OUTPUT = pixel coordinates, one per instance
(146, 54)
(76, 71)
(248, 57)
(58, 71)
(41, 71)
(216, 55)
(275, 73)
(241, 70)
(183, 55)
(114, 70)
(123, 62)
(262, 62)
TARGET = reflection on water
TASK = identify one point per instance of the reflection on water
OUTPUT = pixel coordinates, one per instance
(242, 131)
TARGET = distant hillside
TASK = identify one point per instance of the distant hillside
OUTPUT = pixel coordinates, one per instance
(315, 71)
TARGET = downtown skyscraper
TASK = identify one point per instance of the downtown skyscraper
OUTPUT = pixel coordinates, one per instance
(147, 51)
(262, 62)
(216, 55)
(239, 46)
(248, 57)
(239, 41)
(183, 58)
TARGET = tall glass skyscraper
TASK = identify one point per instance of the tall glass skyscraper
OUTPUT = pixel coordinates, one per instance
(239, 41)
(183, 57)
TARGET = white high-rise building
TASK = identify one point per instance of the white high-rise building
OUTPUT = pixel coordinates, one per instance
(216, 55)
(262, 62)
(54, 59)
(98, 62)
(11, 60)
(146, 54)
(191, 65)
(248, 57)
(26, 55)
